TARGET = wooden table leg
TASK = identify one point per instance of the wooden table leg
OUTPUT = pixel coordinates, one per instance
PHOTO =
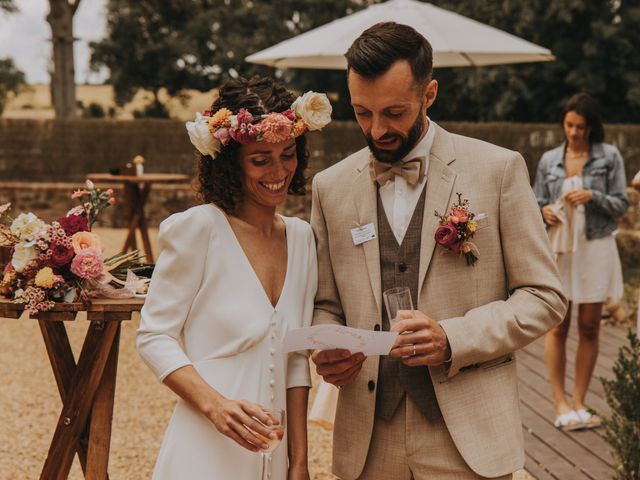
(142, 223)
(132, 196)
(78, 403)
(63, 364)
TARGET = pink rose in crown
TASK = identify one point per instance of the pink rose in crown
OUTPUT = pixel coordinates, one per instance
(447, 236)
(289, 114)
(88, 263)
(223, 135)
(245, 132)
(275, 128)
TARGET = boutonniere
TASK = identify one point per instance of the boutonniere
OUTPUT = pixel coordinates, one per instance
(457, 229)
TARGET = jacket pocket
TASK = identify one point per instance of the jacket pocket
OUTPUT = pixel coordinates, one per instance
(497, 362)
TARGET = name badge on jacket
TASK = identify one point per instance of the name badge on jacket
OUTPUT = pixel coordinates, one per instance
(363, 233)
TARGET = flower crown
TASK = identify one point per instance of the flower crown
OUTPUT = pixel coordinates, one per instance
(210, 131)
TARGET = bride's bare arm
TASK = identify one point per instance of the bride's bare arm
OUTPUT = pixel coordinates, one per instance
(230, 417)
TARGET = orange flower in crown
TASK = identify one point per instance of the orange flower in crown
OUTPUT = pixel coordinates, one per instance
(210, 131)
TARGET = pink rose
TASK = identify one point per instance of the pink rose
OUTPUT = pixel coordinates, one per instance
(447, 236)
(275, 128)
(289, 114)
(223, 136)
(244, 116)
(88, 264)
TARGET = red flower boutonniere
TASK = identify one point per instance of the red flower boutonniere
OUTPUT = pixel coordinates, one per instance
(457, 229)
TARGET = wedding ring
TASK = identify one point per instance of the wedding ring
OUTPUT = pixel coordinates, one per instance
(414, 350)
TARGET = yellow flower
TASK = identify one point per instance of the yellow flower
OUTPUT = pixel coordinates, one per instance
(299, 128)
(220, 119)
(472, 226)
(45, 278)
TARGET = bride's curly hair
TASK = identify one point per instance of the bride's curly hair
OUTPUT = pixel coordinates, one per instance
(219, 181)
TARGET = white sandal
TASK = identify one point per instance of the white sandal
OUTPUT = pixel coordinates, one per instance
(569, 421)
(589, 420)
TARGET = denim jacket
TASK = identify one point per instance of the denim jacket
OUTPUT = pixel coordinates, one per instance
(603, 174)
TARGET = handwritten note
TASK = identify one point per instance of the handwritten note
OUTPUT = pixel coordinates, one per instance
(327, 337)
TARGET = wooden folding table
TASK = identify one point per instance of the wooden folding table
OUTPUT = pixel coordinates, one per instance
(87, 388)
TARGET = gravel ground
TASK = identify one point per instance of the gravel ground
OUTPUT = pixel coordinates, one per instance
(30, 403)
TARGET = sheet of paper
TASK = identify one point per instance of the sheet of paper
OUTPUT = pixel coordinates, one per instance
(327, 337)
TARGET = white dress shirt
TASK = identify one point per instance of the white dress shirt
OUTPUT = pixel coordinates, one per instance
(399, 199)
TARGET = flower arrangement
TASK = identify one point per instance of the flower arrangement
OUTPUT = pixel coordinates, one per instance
(457, 229)
(64, 260)
(210, 131)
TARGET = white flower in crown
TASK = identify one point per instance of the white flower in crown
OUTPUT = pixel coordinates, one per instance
(314, 109)
(201, 136)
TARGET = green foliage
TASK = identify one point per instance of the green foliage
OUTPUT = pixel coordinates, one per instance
(11, 79)
(154, 110)
(178, 44)
(181, 44)
(595, 44)
(622, 429)
(93, 110)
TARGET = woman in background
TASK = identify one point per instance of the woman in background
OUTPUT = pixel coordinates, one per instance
(581, 189)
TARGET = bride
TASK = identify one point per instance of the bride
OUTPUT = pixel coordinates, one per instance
(232, 278)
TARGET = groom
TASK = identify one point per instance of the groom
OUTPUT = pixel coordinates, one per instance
(444, 403)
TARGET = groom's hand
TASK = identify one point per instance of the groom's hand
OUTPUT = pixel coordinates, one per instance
(423, 342)
(338, 367)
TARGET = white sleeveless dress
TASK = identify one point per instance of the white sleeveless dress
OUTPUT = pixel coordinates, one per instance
(207, 308)
(590, 270)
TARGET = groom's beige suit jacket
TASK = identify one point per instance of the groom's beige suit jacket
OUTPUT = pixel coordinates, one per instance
(488, 311)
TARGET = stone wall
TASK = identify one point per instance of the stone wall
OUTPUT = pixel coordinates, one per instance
(66, 150)
(41, 162)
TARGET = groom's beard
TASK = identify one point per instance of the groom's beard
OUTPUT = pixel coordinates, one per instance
(406, 144)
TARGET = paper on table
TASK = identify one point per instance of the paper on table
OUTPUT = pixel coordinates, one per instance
(327, 337)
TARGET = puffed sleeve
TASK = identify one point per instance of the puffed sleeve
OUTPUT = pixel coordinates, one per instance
(298, 365)
(184, 239)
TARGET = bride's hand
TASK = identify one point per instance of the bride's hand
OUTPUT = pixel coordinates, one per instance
(548, 215)
(233, 418)
(298, 473)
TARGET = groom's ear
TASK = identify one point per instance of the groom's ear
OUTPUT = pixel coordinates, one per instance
(430, 94)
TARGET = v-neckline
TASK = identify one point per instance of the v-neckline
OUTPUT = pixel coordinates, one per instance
(248, 263)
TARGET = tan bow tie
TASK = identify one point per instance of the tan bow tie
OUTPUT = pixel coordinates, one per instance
(412, 170)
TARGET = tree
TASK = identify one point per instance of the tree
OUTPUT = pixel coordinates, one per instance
(178, 44)
(593, 42)
(63, 87)
(11, 79)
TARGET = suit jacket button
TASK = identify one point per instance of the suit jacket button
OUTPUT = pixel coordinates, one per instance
(377, 327)
(371, 385)
(402, 267)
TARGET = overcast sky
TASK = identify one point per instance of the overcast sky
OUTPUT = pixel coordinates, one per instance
(24, 36)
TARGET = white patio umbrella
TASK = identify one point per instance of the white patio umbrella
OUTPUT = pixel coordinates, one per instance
(457, 41)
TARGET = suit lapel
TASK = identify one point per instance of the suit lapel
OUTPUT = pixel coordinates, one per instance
(365, 198)
(440, 181)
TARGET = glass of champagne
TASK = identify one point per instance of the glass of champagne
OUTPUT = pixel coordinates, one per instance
(278, 417)
(396, 299)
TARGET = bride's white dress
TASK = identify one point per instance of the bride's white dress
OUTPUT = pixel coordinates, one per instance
(206, 307)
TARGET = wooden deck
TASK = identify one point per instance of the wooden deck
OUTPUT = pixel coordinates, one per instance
(552, 454)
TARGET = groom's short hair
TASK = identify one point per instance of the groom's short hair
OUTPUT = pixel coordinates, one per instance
(380, 46)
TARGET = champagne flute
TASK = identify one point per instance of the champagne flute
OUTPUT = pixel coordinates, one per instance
(278, 417)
